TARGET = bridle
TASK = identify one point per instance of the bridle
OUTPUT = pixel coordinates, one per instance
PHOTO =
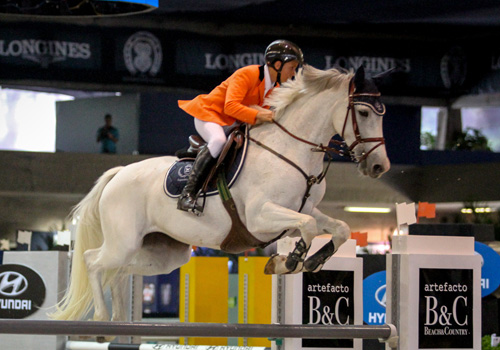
(358, 139)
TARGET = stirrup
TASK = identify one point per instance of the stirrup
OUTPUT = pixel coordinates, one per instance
(193, 208)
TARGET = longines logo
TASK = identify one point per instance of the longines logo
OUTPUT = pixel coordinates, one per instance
(143, 54)
(22, 291)
(372, 64)
(233, 62)
(184, 172)
(454, 68)
(45, 52)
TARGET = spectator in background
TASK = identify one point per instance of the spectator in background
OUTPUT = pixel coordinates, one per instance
(108, 135)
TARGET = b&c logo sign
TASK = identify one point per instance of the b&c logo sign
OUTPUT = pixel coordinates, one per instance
(445, 309)
(328, 299)
(22, 291)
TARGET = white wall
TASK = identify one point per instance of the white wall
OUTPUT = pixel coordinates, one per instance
(78, 121)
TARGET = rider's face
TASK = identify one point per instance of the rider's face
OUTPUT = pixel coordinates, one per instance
(289, 70)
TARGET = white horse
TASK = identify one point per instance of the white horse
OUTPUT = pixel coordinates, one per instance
(127, 225)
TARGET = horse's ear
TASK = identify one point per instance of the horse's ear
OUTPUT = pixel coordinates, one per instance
(377, 79)
(359, 77)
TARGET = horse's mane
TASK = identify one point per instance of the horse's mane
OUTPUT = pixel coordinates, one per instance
(308, 81)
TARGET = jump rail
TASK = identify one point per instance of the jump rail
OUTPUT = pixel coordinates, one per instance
(385, 332)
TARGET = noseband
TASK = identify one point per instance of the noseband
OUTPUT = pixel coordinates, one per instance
(355, 127)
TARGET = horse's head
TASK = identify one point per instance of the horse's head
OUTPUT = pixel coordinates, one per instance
(362, 130)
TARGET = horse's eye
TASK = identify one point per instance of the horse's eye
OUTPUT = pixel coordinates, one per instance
(363, 113)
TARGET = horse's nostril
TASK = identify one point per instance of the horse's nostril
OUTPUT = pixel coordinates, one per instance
(377, 169)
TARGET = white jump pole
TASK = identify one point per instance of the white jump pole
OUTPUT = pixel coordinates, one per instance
(83, 345)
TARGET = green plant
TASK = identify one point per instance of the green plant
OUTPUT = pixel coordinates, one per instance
(469, 140)
(428, 140)
(486, 343)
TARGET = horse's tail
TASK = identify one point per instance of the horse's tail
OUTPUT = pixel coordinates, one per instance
(78, 299)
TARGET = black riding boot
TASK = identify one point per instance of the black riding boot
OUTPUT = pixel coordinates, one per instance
(201, 166)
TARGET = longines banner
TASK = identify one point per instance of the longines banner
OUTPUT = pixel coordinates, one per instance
(118, 56)
(59, 49)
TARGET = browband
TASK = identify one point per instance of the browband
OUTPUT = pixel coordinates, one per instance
(377, 107)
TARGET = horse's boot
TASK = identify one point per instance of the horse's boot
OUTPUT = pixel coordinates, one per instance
(201, 167)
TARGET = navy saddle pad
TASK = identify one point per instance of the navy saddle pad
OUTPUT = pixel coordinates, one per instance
(177, 175)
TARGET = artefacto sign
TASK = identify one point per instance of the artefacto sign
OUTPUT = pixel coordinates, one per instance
(374, 298)
(22, 291)
(328, 299)
(490, 273)
(445, 309)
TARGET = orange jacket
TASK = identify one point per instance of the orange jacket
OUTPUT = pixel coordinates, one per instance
(230, 100)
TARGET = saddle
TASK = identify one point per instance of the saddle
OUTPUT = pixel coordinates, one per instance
(230, 162)
(221, 177)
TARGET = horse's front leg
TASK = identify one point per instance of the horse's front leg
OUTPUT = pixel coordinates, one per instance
(340, 232)
(275, 218)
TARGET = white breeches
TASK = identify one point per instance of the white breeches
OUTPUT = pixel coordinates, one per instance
(213, 134)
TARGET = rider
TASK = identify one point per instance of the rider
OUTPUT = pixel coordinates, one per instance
(230, 102)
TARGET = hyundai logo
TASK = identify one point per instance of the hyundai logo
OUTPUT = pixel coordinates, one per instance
(12, 283)
(380, 295)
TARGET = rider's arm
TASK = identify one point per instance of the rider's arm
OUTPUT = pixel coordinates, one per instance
(263, 115)
(241, 84)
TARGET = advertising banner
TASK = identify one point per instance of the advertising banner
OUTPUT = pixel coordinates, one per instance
(445, 308)
(332, 296)
(22, 291)
(434, 292)
(166, 58)
(328, 299)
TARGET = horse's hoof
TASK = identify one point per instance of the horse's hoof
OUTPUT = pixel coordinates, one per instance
(85, 337)
(101, 339)
(104, 339)
(275, 265)
(293, 266)
(311, 265)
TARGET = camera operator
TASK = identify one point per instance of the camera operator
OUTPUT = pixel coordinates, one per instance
(108, 135)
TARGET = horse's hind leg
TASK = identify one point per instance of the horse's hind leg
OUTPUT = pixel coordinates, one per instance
(99, 262)
(159, 254)
(95, 270)
(118, 298)
(340, 233)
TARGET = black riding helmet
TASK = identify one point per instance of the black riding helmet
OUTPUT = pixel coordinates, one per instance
(283, 51)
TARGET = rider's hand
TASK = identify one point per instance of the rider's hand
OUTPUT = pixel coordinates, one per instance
(264, 116)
